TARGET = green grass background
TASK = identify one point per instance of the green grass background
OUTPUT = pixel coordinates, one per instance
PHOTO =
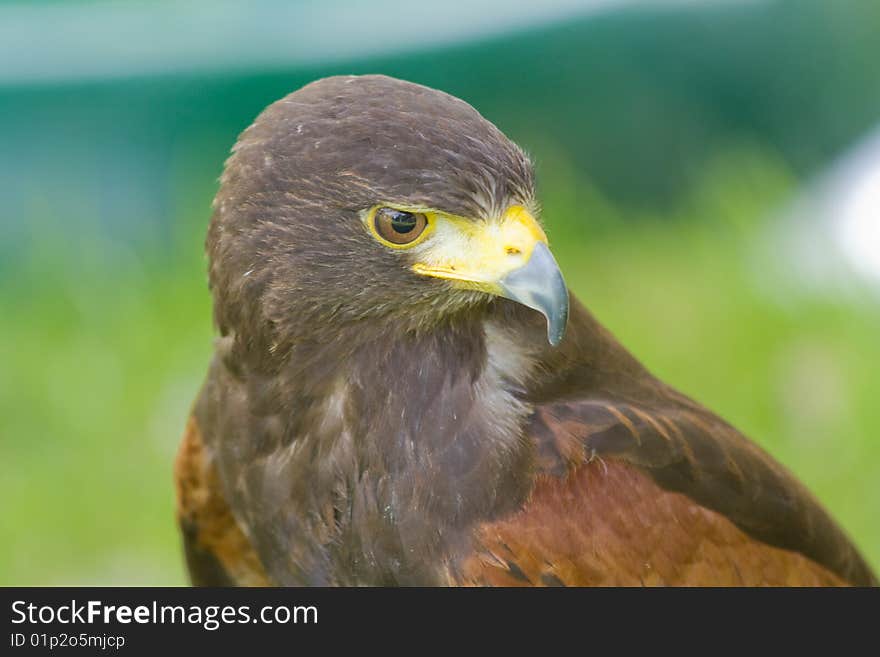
(103, 346)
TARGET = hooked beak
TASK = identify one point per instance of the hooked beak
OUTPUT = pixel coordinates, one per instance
(508, 258)
(539, 285)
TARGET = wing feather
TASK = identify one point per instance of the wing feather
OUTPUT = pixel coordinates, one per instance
(687, 450)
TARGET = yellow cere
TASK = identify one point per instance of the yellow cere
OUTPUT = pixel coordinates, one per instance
(478, 253)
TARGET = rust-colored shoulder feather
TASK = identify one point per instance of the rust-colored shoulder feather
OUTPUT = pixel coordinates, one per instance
(687, 450)
(217, 551)
(608, 524)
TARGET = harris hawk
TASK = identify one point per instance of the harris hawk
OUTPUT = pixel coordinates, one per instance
(403, 391)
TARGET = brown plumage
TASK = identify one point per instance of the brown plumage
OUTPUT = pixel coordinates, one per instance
(385, 414)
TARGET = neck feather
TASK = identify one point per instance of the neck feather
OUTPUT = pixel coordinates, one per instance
(404, 441)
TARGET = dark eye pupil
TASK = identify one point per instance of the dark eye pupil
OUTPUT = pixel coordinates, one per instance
(402, 222)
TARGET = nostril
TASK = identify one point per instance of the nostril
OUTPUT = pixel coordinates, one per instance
(512, 250)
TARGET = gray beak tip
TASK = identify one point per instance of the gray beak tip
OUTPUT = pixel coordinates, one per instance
(539, 285)
(556, 330)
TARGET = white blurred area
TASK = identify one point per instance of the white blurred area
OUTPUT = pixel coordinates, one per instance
(830, 234)
(54, 42)
(857, 228)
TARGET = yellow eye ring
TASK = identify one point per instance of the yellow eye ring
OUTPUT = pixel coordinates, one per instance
(397, 227)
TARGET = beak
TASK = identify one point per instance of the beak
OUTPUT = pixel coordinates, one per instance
(539, 285)
(508, 258)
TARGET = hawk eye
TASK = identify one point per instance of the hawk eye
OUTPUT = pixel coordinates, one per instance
(398, 226)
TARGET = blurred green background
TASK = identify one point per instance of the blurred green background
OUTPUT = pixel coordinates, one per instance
(709, 182)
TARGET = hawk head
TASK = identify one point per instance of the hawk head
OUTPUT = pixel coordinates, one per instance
(370, 198)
